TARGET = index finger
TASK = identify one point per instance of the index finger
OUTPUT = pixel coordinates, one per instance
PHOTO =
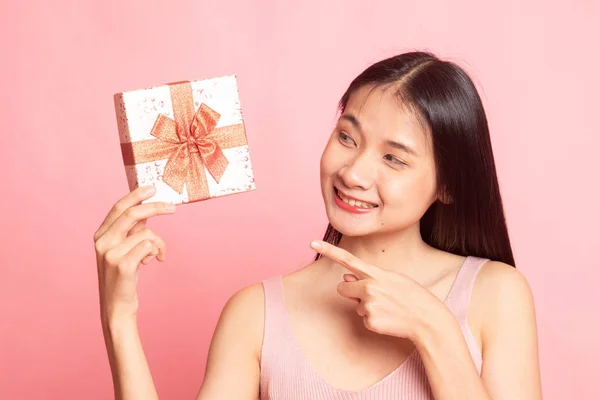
(133, 215)
(346, 259)
(131, 199)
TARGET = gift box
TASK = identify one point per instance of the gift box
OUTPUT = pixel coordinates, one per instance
(186, 138)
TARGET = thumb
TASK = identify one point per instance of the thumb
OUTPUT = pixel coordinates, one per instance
(350, 278)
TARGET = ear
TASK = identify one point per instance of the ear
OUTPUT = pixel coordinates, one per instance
(445, 197)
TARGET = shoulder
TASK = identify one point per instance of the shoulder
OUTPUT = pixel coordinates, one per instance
(245, 305)
(502, 282)
(243, 312)
(248, 303)
(501, 293)
(503, 300)
(248, 298)
(233, 362)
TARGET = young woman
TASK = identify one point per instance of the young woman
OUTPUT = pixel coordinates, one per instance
(416, 297)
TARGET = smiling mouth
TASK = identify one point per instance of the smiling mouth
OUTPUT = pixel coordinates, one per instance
(353, 202)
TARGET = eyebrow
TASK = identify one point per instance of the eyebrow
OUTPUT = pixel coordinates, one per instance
(397, 145)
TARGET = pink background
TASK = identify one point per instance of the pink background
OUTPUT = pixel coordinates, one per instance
(537, 64)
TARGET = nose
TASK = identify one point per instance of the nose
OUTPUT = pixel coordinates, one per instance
(358, 172)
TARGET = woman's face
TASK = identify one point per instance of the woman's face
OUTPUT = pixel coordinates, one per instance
(380, 156)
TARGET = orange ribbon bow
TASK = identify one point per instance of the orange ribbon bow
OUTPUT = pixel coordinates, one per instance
(190, 142)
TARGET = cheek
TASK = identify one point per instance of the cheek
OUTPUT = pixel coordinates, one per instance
(329, 162)
(425, 188)
(412, 193)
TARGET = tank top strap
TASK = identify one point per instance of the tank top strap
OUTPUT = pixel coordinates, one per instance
(459, 298)
(277, 329)
(274, 300)
(276, 318)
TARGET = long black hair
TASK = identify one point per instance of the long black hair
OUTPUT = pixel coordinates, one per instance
(444, 98)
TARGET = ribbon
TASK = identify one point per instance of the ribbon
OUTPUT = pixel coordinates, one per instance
(189, 142)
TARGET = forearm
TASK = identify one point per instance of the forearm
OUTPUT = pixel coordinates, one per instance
(130, 372)
(448, 363)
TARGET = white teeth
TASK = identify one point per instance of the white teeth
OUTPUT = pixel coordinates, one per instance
(355, 203)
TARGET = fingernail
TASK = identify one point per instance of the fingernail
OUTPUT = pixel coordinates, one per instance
(316, 245)
(170, 207)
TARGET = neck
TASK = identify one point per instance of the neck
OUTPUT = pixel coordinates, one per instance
(402, 251)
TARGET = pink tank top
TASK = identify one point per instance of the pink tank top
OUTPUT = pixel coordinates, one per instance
(287, 375)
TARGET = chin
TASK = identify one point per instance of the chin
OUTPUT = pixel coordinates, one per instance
(350, 231)
(353, 225)
(349, 225)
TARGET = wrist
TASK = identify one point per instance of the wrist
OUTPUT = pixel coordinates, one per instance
(115, 326)
(116, 316)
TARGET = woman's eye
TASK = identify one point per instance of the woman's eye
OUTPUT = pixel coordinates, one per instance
(394, 160)
(345, 138)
